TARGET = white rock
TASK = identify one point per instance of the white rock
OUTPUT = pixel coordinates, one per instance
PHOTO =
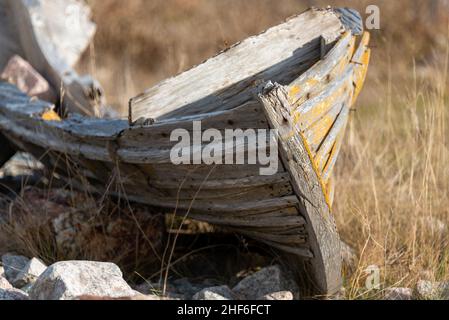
(398, 294)
(12, 294)
(262, 283)
(71, 279)
(4, 284)
(13, 264)
(2, 272)
(215, 293)
(20, 73)
(428, 290)
(29, 274)
(282, 295)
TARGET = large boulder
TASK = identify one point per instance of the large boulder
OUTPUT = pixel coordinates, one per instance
(71, 279)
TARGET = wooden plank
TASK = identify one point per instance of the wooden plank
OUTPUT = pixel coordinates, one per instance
(226, 80)
(316, 79)
(361, 60)
(315, 108)
(317, 133)
(320, 224)
(336, 134)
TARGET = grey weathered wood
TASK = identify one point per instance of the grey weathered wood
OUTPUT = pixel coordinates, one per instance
(309, 189)
(351, 19)
(225, 81)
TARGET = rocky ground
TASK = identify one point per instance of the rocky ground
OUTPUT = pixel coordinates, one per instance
(47, 224)
(23, 279)
(30, 279)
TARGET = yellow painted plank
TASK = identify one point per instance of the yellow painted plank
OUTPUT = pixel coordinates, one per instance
(50, 116)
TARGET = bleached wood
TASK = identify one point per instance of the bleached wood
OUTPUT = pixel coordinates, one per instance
(325, 243)
(225, 81)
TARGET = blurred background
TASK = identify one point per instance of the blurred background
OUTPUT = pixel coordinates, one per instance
(392, 198)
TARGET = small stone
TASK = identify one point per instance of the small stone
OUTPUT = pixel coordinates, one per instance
(70, 279)
(398, 294)
(29, 274)
(282, 295)
(20, 73)
(428, 290)
(215, 293)
(264, 282)
(2, 272)
(13, 265)
(4, 284)
(12, 294)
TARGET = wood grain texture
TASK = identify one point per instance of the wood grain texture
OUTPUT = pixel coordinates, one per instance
(231, 78)
(296, 157)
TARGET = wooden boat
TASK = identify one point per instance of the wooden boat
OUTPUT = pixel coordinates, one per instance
(301, 78)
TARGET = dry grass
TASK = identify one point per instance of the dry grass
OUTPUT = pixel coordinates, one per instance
(392, 177)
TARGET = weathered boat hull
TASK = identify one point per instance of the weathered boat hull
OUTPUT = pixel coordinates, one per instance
(289, 210)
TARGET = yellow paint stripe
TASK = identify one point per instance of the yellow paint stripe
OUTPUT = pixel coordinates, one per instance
(315, 168)
(331, 189)
(360, 74)
(305, 120)
(50, 115)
